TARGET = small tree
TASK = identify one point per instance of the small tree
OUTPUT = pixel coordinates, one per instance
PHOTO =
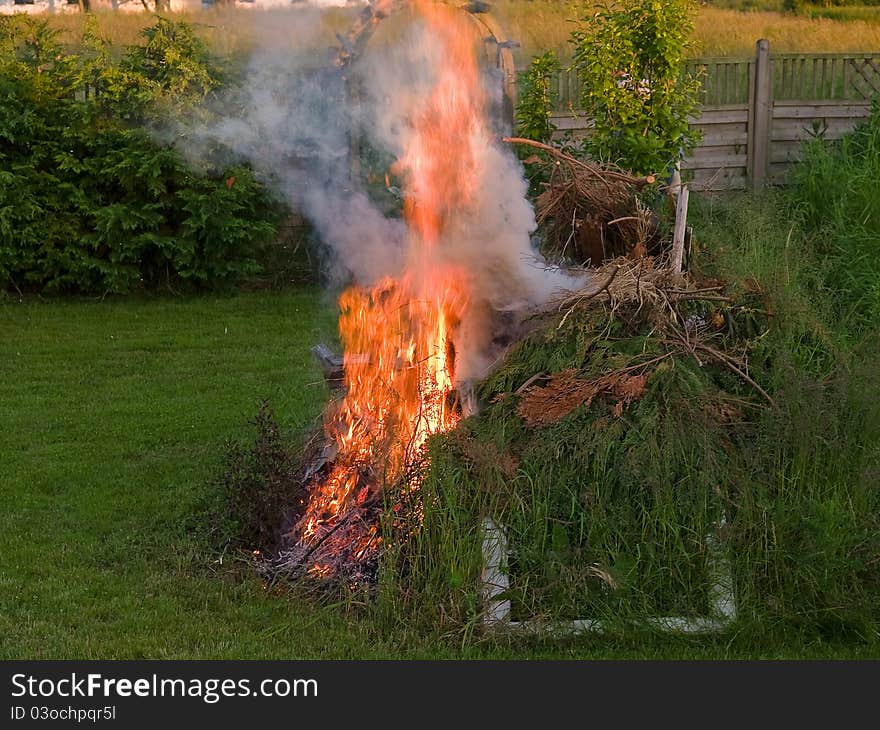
(631, 58)
(537, 98)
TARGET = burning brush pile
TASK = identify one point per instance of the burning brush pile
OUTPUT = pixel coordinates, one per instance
(468, 314)
(411, 340)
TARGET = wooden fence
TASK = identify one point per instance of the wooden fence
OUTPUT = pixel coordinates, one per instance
(756, 112)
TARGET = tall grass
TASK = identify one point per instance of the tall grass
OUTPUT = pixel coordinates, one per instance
(229, 31)
(837, 192)
(537, 25)
(843, 12)
(541, 25)
(807, 533)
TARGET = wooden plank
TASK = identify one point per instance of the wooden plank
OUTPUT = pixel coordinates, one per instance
(723, 138)
(798, 132)
(812, 110)
(712, 139)
(832, 93)
(751, 120)
(782, 126)
(802, 78)
(827, 55)
(722, 115)
(681, 211)
(778, 174)
(567, 122)
(783, 88)
(720, 129)
(720, 151)
(725, 84)
(729, 89)
(785, 153)
(725, 186)
(717, 180)
(714, 163)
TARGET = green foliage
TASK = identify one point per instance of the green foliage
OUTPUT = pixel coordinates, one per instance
(631, 58)
(537, 98)
(168, 74)
(256, 488)
(90, 203)
(606, 515)
(796, 4)
(835, 188)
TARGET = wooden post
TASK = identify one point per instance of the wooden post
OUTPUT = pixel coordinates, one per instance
(681, 213)
(760, 117)
(502, 58)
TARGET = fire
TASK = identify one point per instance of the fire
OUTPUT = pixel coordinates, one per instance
(399, 336)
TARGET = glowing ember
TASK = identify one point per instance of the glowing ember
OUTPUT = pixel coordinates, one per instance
(399, 336)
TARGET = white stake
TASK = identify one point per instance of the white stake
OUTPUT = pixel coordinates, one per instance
(681, 213)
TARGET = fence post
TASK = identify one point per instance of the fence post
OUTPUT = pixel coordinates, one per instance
(759, 134)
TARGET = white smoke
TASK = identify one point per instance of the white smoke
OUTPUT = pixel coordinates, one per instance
(293, 124)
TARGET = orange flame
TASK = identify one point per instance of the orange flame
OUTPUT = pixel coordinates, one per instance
(399, 336)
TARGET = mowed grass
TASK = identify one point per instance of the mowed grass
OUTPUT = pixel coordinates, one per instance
(537, 25)
(114, 416)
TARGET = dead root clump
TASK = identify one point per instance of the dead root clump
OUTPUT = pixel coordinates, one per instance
(589, 212)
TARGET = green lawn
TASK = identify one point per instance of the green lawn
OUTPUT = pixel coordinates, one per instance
(113, 416)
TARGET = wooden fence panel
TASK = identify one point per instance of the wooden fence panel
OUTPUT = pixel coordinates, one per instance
(795, 122)
(721, 159)
(755, 115)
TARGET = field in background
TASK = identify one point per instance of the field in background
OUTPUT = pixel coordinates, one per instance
(543, 24)
(537, 25)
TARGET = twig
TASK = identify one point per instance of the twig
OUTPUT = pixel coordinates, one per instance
(530, 381)
(593, 295)
(734, 366)
(673, 290)
(638, 365)
(681, 211)
(688, 296)
(587, 297)
(595, 170)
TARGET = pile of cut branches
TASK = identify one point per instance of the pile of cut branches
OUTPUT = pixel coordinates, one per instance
(590, 212)
(683, 315)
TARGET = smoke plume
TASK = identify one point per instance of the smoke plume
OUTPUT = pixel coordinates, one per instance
(293, 121)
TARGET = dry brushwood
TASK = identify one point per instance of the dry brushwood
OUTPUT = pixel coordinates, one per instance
(648, 282)
(541, 405)
(590, 212)
(653, 289)
(352, 43)
(645, 283)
